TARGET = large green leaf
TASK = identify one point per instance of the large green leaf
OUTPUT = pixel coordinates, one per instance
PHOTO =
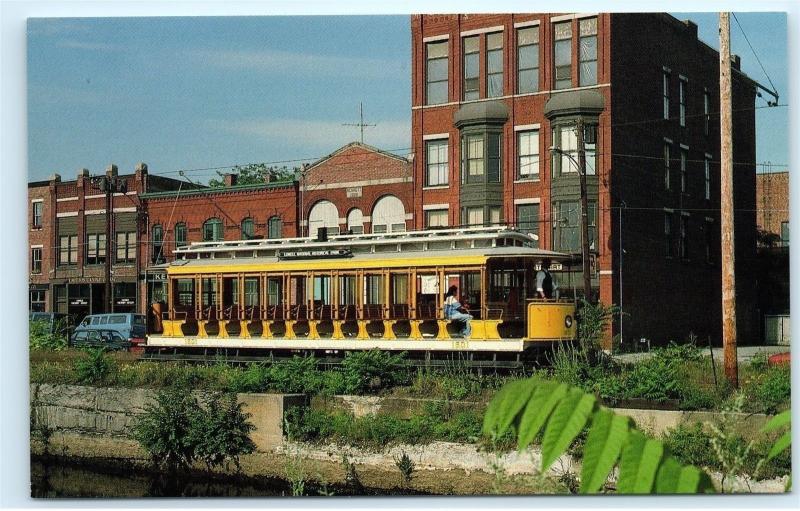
(780, 445)
(603, 446)
(506, 405)
(782, 419)
(541, 404)
(668, 476)
(565, 424)
(694, 480)
(639, 464)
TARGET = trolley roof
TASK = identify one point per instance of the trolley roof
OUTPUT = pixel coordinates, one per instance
(447, 247)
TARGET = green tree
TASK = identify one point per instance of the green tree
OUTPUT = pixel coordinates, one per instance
(255, 173)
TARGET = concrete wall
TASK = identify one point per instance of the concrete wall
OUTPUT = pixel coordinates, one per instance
(111, 412)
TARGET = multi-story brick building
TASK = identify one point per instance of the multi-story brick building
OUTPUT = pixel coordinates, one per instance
(772, 202)
(69, 242)
(232, 212)
(357, 188)
(492, 93)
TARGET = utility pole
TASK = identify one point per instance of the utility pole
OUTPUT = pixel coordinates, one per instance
(587, 278)
(360, 124)
(726, 203)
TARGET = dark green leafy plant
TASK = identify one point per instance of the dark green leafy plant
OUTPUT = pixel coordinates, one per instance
(43, 336)
(782, 420)
(406, 467)
(373, 370)
(221, 432)
(560, 412)
(93, 367)
(165, 429)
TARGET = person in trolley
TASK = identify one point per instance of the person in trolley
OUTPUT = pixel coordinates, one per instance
(546, 285)
(454, 311)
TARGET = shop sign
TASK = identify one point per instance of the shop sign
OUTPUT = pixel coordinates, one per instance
(79, 301)
(353, 192)
(156, 277)
(124, 301)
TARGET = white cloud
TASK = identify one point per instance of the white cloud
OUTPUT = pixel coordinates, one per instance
(318, 136)
(85, 45)
(276, 61)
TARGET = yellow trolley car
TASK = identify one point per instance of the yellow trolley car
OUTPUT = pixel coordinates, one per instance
(357, 292)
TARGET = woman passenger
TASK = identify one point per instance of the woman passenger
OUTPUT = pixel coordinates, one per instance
(453, 310)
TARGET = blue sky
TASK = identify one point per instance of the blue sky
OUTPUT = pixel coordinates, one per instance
(202, 92)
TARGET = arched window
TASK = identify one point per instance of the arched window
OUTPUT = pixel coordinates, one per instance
(274, 227)
(157, 239)
(388, 215)
(248, 229)
(180, 235)
(323, 214)
(212, 230)
(355, 221)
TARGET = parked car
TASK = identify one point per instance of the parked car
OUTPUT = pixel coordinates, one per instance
(131, 327)
(107, 339)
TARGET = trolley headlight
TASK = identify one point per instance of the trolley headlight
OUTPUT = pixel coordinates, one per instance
(568, 321)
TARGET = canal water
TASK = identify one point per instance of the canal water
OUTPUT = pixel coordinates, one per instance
(69, 478)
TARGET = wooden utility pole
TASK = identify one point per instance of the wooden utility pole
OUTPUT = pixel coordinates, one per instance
(726, 203)
(587, 277)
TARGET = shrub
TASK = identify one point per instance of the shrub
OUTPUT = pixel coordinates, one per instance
(373, 370)
(94, 367)
(42, 337)
(296, 375)
(690, 444)
(176, 430)
(768, 392)
(592, 322)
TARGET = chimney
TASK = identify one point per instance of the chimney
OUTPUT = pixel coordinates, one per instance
(692, 26)
(230, 179)
(141, 169)
(736, 61)
(56, 178)
(83, 173)
(112, 170)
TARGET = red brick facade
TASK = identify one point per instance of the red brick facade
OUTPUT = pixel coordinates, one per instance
(772, 203)
(632, 53)
(355, 178)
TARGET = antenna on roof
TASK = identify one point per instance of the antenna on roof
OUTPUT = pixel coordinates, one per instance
(360, 124)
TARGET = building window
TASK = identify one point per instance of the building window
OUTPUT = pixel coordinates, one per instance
(563, 55)
(566, 226)
(587, 51)
(528, 154)
(495, 215)
(471, 68)
(355, 221)
(709, 240)
(474, 165)
(785, 234)
(706, 112)
(436, 218)
(668, 234)
(707, 171)
(590, 149)
(566, 140)
(436, 73)
(248, 229)
(68, 249)
(473, 216)
(274, 228)
(528, 60)
(157, 239)
(436, 165)
(37, 214)
(682, 100)
(528, 220)
(494, 65)
(36, 260)
(126, 247)
(684, 239)
(212, 230)
(667, 156)
(665, 92)
(684, 175)
(180, 235)
(38, 301)
(95, 248)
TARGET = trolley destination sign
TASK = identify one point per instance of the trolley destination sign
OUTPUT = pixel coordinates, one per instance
(315, 254)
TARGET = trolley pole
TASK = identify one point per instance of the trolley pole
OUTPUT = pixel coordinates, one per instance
(587, 278)
(726, 204)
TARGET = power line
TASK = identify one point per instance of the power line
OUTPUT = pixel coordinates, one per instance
(774, 89)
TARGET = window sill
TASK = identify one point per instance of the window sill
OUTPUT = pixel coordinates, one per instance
(437, 187)
(36, 227)
(534, 180)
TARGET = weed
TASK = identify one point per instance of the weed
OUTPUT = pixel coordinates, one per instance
(221, 432)
(406, 468)
(351, 478)
(44, 336)
(373, 370)
(296, 475)
(768, 391)
(94, 367)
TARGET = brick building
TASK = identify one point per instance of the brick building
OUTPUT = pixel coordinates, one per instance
(772, 196)
(358, 188)
(69, 244)
(491, 94)
(232, 212)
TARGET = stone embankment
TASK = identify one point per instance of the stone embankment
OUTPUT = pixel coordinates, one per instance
(89, 422)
